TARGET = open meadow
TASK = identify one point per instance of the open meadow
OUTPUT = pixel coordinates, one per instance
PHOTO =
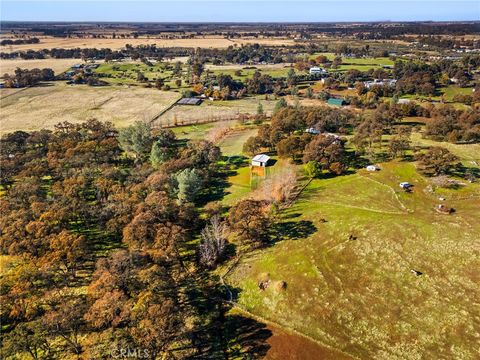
(116, 44)
(8, 66)
(214, 110)
(43, 107)
(346, 250)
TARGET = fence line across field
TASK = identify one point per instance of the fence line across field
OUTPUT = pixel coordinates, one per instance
(206, 120)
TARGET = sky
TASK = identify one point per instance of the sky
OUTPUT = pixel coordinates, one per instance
(238, 10)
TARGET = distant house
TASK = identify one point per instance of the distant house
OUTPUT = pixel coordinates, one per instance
(336, 102)
(260, 160)
(189, 101)
(378, 82)
(312, 131)
(372, 168)
(317, 71)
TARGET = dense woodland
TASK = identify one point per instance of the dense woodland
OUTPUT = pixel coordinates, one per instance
(103, 226)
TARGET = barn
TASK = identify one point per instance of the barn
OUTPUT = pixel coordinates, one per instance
(260, 160)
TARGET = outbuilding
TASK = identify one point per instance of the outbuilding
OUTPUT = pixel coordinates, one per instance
(336, 102)
(317, 71)
(260, 160)
(189, 101)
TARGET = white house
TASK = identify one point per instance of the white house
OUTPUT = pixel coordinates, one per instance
(378, 82)
(260, 160)
(317, 71)
(312, 131)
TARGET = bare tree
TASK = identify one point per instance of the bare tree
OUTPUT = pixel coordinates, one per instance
(212, 245)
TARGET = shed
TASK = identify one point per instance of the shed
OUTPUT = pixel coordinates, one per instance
(189, 101)
(336, 102)
(260, 160)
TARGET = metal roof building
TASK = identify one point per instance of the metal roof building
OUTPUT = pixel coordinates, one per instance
(189, 101)
(336, 102)
(260, 160)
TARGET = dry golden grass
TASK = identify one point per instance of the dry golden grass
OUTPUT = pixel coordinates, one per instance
(115, 44)
(214, 110)
(58, 65)
(43, 107)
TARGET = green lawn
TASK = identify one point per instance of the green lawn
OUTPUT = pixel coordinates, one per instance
(348, 277)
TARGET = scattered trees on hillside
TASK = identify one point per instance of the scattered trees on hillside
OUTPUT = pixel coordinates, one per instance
(328, 151)
(436, 161)
(251, 221)
(453, 125)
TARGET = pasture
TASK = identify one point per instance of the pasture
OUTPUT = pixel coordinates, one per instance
(215, 110)
(47, 42)
(8, 66)
(346, 249)
(44, 106)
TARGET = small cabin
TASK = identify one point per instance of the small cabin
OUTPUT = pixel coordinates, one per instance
(260, 160)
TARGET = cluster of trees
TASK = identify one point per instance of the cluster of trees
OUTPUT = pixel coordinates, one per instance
(450, 124)
(287, 136)
(25, 77)
(113, 212)
(32, 40)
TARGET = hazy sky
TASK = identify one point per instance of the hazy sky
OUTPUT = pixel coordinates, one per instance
(237, 11)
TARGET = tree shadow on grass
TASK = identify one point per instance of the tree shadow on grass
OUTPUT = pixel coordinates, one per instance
(293, 230)
(224, 335)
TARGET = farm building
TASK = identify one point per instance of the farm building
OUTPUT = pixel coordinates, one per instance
(377, 82)
(260, 160)
(317, 71)
(336, 102)
(189, 101)
(312, 131)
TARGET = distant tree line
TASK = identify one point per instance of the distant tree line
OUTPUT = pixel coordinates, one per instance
(32, 40)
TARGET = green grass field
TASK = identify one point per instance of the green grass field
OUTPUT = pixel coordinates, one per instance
(126, 73)
(349, 279)
(273, 71)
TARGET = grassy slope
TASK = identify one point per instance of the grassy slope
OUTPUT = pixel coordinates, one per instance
(44, 106)
(359, 295)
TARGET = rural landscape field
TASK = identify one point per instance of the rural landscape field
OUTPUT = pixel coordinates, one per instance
(236, 188)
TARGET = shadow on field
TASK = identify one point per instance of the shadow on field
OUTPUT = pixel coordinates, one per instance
(228, 335)
(293, 230)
